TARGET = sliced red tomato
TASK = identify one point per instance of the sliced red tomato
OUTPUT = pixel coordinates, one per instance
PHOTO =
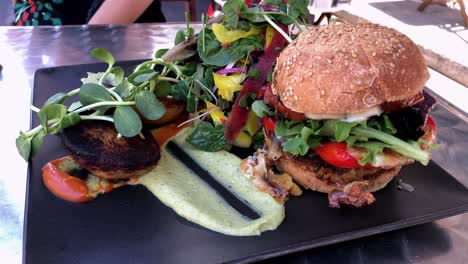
(57, 178)
(430, 133)
(269, 123)
(63, 184)
(337, 154)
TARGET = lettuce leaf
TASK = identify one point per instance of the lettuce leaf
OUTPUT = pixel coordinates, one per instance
(374, 135)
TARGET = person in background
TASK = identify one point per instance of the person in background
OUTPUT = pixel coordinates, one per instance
(72, 12)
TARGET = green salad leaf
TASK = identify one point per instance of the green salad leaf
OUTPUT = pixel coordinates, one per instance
(374, 135)
(213, 53)
(231, 10)
(149, 106)
(103, 55)
(258, 140)
(261, 109)
(207, 137)
(58, 98)
(23, 145)
(127, 122)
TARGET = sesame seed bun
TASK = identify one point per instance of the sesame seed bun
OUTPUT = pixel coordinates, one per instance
(346, 68)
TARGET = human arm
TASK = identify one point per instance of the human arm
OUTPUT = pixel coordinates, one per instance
(119, 11)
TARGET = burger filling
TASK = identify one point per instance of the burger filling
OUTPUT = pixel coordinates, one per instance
(346, 154)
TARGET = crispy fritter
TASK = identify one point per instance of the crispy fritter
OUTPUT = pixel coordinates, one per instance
(96, 146)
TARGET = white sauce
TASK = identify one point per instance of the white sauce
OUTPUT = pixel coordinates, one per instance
(351, 117)
(190, 197)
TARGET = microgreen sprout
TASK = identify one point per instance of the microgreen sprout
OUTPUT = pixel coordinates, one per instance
(275, 26)
(117, 104)
(111, 96)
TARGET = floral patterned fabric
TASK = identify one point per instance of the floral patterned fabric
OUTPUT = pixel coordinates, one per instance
(71, 12)
(35, 13)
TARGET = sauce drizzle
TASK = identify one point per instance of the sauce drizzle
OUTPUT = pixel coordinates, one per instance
(179, 188)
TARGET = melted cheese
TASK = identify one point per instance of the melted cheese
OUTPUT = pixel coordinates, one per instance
(189, 196)
(351, 117)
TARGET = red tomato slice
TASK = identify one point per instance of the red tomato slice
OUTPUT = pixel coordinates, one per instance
(336, 154)
(63, 184)
(269, 123)
(430, 133)
(70, 188)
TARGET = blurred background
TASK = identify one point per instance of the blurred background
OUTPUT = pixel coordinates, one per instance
(438, 26)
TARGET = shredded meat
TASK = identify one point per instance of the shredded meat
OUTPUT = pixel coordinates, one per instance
(351, 194)
(260, 169)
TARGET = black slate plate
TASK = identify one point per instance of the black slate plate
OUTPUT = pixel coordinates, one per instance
(130, 225)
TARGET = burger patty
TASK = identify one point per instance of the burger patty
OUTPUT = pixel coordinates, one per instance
(313, 173)
(96, 146)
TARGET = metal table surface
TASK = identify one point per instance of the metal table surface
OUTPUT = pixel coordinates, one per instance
(24, 50)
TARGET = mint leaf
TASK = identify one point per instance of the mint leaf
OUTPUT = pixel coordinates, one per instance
(207, 137)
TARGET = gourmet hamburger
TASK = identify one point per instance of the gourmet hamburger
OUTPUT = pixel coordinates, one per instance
(345, 111)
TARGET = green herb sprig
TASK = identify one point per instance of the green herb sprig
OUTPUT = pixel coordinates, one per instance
(96, 101)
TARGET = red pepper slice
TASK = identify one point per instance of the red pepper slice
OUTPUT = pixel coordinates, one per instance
(238, 117)
(336, 154)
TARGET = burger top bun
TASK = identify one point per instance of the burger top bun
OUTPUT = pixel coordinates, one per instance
(346, 68)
